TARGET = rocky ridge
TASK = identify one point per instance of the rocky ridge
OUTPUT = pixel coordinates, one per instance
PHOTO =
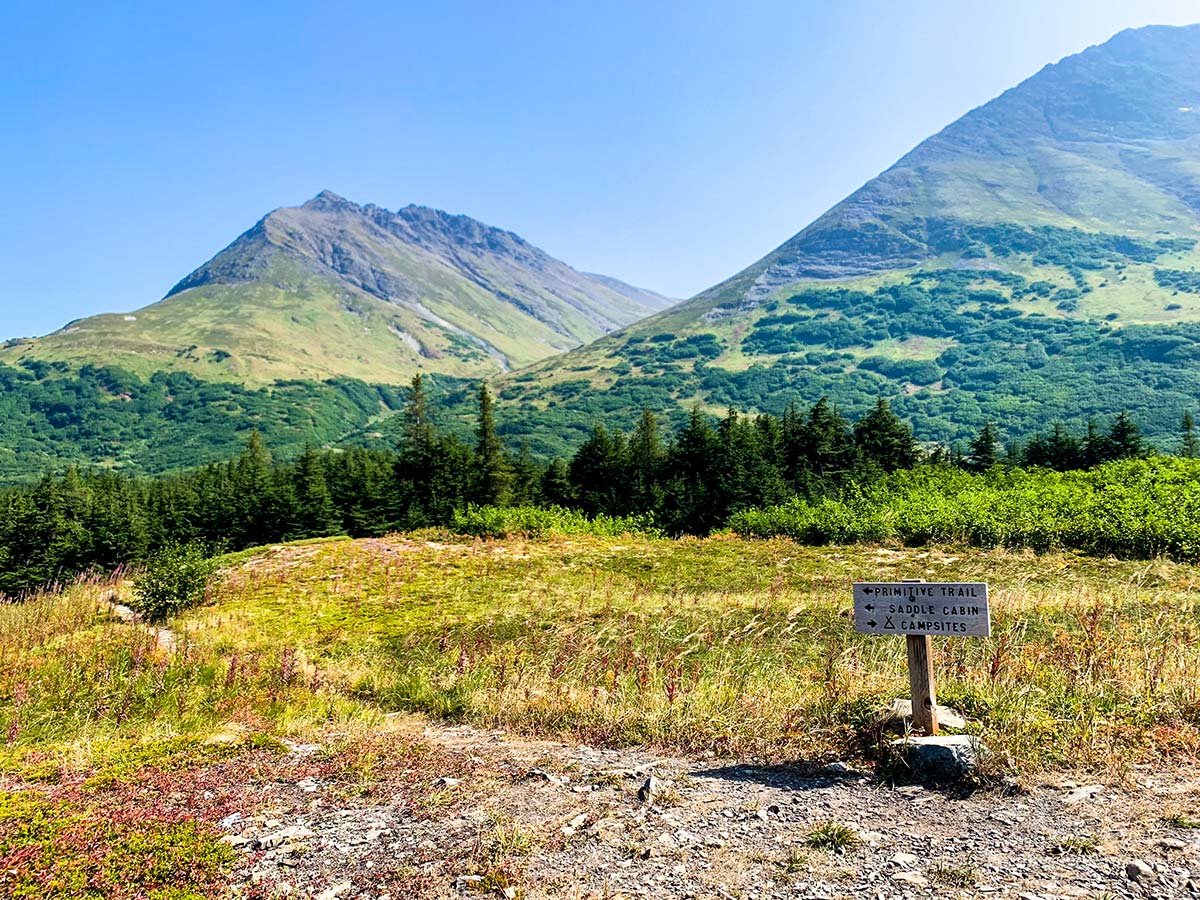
(335, 289)
(366, 245)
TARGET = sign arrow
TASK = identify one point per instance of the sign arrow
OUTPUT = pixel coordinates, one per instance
(872, 623)
(870, 607)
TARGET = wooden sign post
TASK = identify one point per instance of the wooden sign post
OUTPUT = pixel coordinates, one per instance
(918, 610)
(921, 688)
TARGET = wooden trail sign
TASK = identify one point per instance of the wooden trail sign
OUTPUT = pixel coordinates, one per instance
(918, 610)
(956, 609)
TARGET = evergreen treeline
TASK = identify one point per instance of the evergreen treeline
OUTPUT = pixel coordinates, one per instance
(691, 482)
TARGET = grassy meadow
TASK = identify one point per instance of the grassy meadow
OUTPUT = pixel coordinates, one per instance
(721, 644)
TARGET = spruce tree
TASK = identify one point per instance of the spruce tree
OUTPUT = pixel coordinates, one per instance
(745, 474)
(1097, 446)
(730, 486)
(452, 480)
(646, 456)
(598, 473)
(1064, 449)
(690, 501)
(314, 504)
(418, 431)
(985, 449)
(64, 546)
(829, 443)
(884, 440)
(526, 480)
(1125, 438)
(34, 538)
(792, 451)
(114, 520)
(1059, 450)
(1190, 444)
(556, 487)
(493, 475)
(437, 474)
(256, 508)
(416, 463)
(362, 483)
(285, 521)
(770, 486)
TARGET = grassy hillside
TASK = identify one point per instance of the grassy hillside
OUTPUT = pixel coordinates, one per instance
(333, 289)
(1105, 140)
(1034, 326)
(1033, 262)
(54, 417)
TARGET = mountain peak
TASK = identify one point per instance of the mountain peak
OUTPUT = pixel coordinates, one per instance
(435, 229)
(1102, 140)
(394, 292)
(443, 231)
(328, 200)
(1035, 261)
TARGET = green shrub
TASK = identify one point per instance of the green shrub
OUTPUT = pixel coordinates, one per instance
(173, 580)
(537, 521)
(1136, 509)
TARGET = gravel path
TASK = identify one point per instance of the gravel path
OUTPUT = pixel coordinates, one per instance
(539, 819)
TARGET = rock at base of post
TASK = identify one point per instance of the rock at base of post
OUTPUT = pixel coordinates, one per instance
(899, 714)
(941, 759)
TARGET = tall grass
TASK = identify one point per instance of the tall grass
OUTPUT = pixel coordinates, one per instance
(725, 644)
(72, 673)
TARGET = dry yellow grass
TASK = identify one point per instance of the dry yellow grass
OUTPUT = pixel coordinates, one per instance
(724, 644)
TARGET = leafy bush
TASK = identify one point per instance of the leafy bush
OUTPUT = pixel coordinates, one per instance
(1136, 509)
(174, 579)
(918, 371)
(537, 521)
(1177, 279)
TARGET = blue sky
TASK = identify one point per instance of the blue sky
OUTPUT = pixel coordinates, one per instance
(666, 143)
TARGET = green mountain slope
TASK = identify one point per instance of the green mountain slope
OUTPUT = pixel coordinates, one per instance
(1035, 261)
(333, 289)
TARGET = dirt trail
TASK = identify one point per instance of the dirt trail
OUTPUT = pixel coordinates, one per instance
(163, 636)
(506, 817)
